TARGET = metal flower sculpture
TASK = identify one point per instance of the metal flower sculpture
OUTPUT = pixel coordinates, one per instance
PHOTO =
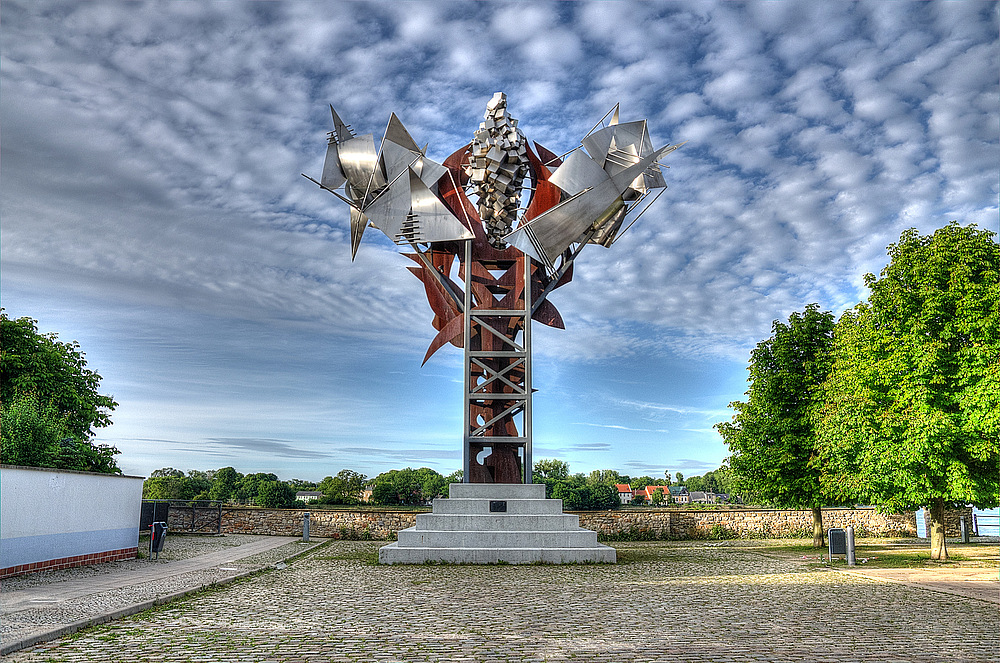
(509, 257)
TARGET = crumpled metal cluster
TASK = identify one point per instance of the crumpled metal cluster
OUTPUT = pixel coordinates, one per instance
(600, 183)
(395, 188)
(578, 200)
(497, 167)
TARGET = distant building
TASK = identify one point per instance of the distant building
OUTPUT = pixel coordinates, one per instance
(680, 494)
(651, 490)
(707, 497)
(308, 495)
(702, 497)
(624, 492)
(366, 493)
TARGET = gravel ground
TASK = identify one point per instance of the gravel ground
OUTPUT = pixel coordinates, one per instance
(661, 602)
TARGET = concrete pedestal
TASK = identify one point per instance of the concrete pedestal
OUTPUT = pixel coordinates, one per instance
(486, 523)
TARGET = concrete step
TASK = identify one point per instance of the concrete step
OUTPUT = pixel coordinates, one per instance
(475, 505)
(394, 554)
(500, 522)
(414, 538)
(498, 491)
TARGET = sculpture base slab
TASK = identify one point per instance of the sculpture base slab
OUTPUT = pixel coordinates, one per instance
(483, 523)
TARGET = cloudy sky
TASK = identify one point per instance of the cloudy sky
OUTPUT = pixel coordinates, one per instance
(153, 209)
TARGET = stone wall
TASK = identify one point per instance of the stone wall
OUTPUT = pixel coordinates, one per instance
(742, 523)
(952, 520)
(381, 525)
(622, 523)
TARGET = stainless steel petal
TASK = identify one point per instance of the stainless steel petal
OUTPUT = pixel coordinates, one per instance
(430, 171)
(398, 134)
(358, 224)
(388, 211)
(597, 144)
(396, 159)
(578, 172)
(359, 159)
(429, 219)
(342, 131)
(557, 228)
(333, 175)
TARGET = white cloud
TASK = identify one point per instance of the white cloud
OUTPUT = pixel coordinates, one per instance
(152, 152)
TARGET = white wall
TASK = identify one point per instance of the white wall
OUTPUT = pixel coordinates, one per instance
(51, 514)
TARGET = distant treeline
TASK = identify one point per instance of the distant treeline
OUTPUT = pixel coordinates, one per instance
(402, 487)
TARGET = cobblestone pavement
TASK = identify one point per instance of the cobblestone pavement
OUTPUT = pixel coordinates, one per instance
(672, 602)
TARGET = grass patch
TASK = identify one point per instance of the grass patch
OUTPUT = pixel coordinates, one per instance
(889, 555)
(892, 560)
(795, 549)
(365, 556)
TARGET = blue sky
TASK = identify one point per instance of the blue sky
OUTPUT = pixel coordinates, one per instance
(152, 207)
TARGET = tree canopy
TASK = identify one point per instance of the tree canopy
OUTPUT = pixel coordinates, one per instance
(550, 468)
(911, 409)
(771, 436)
(56, 372)
(345, 488)
(577, 491)
(408, 486)
(49, 402)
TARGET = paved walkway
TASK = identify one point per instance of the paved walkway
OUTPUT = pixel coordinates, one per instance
(47, 610)
(674, 602)
(981, 584)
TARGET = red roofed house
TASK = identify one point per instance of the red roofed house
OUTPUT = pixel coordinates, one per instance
(624, 492)
(657, 489)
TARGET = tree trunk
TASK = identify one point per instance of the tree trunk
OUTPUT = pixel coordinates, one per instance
(935, 529)
(818, 528)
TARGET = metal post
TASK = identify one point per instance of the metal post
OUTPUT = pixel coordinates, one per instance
(305, 526)
(467, 379)
(526, 432)
(850, 545)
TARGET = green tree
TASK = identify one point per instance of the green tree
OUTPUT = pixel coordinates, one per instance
(432, 484)
(658, 497)
(550, 468)
(165, 472)
(696, 483)
(302, 484)
(407, 486)
(274, 495)
(644, 481)
(225, 484)
(200, 483)
(168, 488)
(680, 479)
(30, 432)
(345, 488)
(911, 412)
(250, 485)
(57, 373)
(771, 437)
(604, 496)
(609, 477)
(87, 457)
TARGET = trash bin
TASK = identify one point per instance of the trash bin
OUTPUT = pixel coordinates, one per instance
(837, 541)
(158, 534)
